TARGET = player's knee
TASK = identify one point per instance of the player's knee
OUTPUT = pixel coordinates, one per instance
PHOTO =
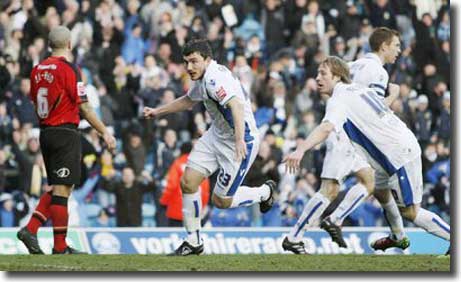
(329, 188)
(187, 186)
(383, 196)
(366, 177)
(62, 190)
(221, 203)
(409, 213)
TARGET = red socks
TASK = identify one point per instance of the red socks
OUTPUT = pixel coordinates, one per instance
(41, 213)
(59, 217)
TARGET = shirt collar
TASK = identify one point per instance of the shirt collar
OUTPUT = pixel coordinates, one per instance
(211, 65)
(373, 56)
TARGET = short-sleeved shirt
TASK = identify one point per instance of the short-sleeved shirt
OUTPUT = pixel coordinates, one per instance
(372, 126)
(56, 91)
(369, 72)
(217, 87)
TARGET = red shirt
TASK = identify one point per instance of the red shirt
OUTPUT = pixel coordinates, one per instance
(56, 91)
(172, 195)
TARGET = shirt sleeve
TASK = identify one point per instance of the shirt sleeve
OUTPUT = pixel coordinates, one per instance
(76, 86)
(378, 79)
(194, 92)
(221, 86)
(335, 113)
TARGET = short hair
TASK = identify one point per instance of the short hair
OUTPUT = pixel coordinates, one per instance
(200, 46)
(186, 148)
(338, 67)
(381, 35)
(59, 37)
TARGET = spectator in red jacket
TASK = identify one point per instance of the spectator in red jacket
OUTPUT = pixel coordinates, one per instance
(172, 195)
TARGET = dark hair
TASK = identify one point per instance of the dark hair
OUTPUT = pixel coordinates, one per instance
(381, 35)
(200, 46)
(186, 148)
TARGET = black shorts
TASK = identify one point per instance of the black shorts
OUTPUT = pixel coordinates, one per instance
(62, 152)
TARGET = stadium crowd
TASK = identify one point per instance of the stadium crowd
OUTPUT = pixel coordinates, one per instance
(130, 55)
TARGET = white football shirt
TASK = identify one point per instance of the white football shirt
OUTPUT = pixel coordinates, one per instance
(369, 72)
(372, 126)
(215, 89)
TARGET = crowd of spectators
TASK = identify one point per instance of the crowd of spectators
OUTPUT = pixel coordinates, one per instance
(130, 55)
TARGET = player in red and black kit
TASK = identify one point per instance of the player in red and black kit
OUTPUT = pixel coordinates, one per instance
(58, 94)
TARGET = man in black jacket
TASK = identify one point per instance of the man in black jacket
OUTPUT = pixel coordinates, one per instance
(129, 193)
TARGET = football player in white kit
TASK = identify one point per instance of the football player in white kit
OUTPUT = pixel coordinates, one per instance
(378, 136)
(342, 160)
(230, 145)
(369, 72)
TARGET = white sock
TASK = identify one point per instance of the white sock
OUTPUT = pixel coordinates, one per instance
(192, 203)
(247, 196)
(432, 223)
(312, 211)
(394, 219)
(353, 198)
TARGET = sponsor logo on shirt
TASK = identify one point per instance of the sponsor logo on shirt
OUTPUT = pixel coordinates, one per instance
(221, 93)
(47, 67)
(81, 89)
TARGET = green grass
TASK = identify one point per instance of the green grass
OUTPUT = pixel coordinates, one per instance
(429, 263)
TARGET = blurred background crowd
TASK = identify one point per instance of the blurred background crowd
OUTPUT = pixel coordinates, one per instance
(130, 55)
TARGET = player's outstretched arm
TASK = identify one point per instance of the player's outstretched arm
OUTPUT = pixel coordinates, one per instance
(87, 113)
(317, 136)
(239, 126)
(178, 105)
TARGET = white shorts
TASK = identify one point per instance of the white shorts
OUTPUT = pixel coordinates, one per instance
(211, 153)
(341, 158)
(406, 184)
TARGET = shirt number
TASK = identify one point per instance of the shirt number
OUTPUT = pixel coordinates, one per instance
(42, 102)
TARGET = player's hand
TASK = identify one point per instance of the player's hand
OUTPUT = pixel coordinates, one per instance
(110, 141)
(149, 112)
(292, 161)
(394, 89)
(240, 150)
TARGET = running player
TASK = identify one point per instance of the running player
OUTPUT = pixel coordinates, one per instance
(378, 136)
(369, 72)
(230, 145)
(341, 159)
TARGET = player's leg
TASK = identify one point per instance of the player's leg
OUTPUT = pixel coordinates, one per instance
(427, 220)
(192, 204)
(314, 208)
(354, 196)
(59, 216)
(229, 193)
(64, 172)
(392, 215)
(411, 190)
(28, 234)
(201, 163)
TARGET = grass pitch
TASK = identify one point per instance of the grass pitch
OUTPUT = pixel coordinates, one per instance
(426, 263)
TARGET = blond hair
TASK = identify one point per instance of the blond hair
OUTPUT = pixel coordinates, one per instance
(338, 67)
(59, 37)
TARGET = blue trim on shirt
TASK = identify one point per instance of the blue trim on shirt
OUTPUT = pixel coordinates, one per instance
(227, 114)
(358, 137)
(380, 89)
